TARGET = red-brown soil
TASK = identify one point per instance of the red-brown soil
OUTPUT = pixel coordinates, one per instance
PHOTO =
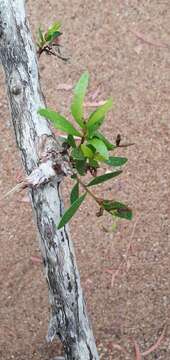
(126, 47)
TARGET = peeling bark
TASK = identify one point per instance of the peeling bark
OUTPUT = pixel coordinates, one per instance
(69, 319)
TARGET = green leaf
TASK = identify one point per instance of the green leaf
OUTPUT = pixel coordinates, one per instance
(117, 209)
(49, 37)
(59, 121)
(100, 147)
(93, 163)
(70, 140)
(76, 154)
(99, 157)
(53, 28)
(40, 34)
(106, 141)
(78, 99)
(108, 205)
(98, 115)
(102, 178)
(87, 152)
(116, 161)
(92, 129)
(124, 213)
(71, 211)
(74, 193)
(80, 166)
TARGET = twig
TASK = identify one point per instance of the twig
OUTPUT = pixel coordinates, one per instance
(126, 254)
(156, 345)
(148, 41)
(88, 191)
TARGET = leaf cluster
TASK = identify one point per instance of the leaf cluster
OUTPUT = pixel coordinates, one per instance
(88, 150)
(47, 39)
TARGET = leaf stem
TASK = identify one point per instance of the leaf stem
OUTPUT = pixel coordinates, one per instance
(125, 145)
(88, 191)
(83, 138)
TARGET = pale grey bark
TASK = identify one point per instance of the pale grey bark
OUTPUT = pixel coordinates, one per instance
(69, 319)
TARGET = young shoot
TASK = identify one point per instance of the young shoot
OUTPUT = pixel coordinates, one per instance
(49, 41)
(88, 150)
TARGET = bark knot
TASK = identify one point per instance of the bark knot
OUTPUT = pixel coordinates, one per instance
(16, 90)
(48, 148)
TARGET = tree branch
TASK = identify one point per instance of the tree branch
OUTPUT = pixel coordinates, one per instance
(37, 144)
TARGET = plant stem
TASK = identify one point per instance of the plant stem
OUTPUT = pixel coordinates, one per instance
(88, 191)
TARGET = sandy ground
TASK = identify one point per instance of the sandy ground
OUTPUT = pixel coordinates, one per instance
(125, 45)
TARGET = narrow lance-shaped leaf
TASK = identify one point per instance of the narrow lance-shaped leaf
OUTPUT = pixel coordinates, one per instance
(59, 121)
(87, 152)
(123, 212)
(77, 154)
(99, 157)
(50, 37)
(117, 209)
(71, 211)
(116, 161)
(80, 166)
(102, 178)
(53, 29)
(98, 115)
(106, 141)
(100, 147)
(78, 99)
(40, 33)
(55, 26)
(74, 193)
(93, 163)
(92, 129)
(70, 141)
